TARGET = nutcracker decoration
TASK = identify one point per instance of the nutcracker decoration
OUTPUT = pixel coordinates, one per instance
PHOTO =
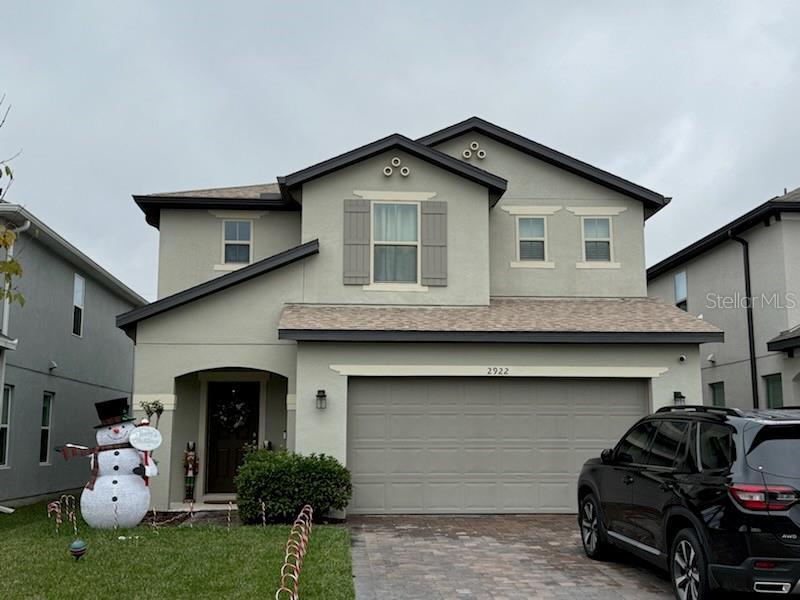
(191, 466)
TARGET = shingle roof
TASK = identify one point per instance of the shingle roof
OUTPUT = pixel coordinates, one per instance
(241, 191)
(786, 340)
(634, 320)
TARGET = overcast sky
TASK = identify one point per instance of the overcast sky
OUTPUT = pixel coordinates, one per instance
(698, 101)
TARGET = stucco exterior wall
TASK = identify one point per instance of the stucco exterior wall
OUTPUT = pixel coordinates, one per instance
(190, 243)
(716, 290)
(326, 430)
(467, 232)
(94, 367)
(532, 182)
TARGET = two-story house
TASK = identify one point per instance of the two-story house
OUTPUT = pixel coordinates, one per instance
(62, 352)
(745, 278)
(462, 320)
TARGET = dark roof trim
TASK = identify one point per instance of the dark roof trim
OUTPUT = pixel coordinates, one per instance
(496, 185)
(539, 337)
(760, 214)
(785, 342)
(151, 205)
(549, 155)
(127, 321)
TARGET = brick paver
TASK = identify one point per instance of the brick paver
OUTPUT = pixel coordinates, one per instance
(489, 557)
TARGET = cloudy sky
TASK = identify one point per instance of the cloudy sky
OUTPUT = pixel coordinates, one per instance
(698, 101)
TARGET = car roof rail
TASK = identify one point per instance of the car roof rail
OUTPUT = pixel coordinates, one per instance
(733, 412)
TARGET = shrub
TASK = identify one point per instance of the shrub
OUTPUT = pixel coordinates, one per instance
(286, 482)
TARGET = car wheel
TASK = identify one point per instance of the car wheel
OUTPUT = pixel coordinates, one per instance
(688, 567)
(593, 535)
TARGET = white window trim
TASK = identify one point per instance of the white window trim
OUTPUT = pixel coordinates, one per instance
(49, 426)
(82, 306)
(598, 264)
(394, 286)
(532, 211)
(675, 287)
(531, 264)
(596, 211)
(7, 426)
(224, 266)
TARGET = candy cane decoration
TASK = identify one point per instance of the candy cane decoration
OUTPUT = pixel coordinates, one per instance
(263, 514)
(296, 547)
(54, 508)
(230, 508)
(191, 514)
(68, 502)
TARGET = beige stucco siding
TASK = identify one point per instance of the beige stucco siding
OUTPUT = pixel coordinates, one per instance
(326, 430)
(532, 182)
(467, 232)
(190, 243)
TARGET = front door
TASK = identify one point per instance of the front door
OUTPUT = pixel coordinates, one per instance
(232, 425)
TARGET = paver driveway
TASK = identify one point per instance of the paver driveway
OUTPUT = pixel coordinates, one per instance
(497, 557)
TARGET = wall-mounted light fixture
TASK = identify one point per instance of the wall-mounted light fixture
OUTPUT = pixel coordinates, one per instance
(679, 399)
(322, 399)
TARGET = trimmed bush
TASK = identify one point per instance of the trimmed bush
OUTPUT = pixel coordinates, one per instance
(286, 482)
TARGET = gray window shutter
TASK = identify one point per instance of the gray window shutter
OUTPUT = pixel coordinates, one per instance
(434, 243)
(356, 242)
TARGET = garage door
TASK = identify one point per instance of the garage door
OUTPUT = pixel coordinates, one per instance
(471, 445)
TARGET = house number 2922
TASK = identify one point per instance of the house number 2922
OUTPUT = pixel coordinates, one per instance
(497, 370)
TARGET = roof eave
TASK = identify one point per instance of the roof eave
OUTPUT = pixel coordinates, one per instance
(539, 337)
(151, 206)
(760, 214)
(653, 199)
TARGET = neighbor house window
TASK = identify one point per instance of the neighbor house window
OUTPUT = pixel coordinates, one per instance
(680, 290)
(395, 242)
(238, 241)
(44, 435)
(774, 385)
(717, 393)
(5, 420)
(597, 239)
(531, 238)
(78, 297)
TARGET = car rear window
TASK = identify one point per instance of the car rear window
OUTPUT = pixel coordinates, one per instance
(775, 448)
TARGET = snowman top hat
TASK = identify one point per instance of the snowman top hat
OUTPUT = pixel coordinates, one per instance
(112, 412)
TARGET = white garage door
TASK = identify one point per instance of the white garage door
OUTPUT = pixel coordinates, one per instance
(472, 445)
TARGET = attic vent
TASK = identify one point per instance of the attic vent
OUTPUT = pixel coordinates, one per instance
(474, 148)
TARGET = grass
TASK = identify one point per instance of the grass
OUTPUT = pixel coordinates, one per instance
(173, 562)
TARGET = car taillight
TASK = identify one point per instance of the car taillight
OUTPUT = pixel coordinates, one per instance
(763, 497)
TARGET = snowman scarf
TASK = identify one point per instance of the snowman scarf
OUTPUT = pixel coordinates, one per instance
(71, 451)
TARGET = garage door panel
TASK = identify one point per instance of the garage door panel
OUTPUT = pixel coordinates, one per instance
(452, 445)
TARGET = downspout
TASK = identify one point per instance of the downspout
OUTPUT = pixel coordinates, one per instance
(751, 342)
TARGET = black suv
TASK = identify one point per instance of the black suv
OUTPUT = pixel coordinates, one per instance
(711, 494)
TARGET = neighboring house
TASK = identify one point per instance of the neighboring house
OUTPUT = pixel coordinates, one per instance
(461, 319)
(754, 256)
(67, 355)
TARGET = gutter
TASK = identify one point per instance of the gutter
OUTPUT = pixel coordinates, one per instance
(749, 308)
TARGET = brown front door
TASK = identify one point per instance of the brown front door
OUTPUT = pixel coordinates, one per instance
(232, 424)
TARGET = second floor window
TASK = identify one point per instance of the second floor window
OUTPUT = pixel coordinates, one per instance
(680, 290)
(531, 238)
(5, 424)
(237, 244)
(717, 393)
(597, 239)
(78, 297)
(395, 242)
(774, 385)
(44, 436)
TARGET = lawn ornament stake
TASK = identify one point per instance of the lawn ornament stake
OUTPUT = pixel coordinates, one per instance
(117, 494)
(191, 466)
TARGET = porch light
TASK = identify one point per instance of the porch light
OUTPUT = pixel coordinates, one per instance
(322, 399)
(679, 399)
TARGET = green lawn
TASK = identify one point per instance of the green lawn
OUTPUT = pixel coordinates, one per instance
(173, 562)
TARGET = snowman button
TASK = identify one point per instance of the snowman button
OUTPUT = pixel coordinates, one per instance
(116, 467)
(113, 498)
(116, 452)
(114, 482)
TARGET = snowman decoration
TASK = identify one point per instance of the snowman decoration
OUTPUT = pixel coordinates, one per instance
(117, 494)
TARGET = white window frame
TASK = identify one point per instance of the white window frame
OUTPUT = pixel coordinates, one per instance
(598, 264)
(230, 266)
(519, 263)
(400, 286)
(7, 426)
(82, 306)
(675, 288)
(48, 428)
